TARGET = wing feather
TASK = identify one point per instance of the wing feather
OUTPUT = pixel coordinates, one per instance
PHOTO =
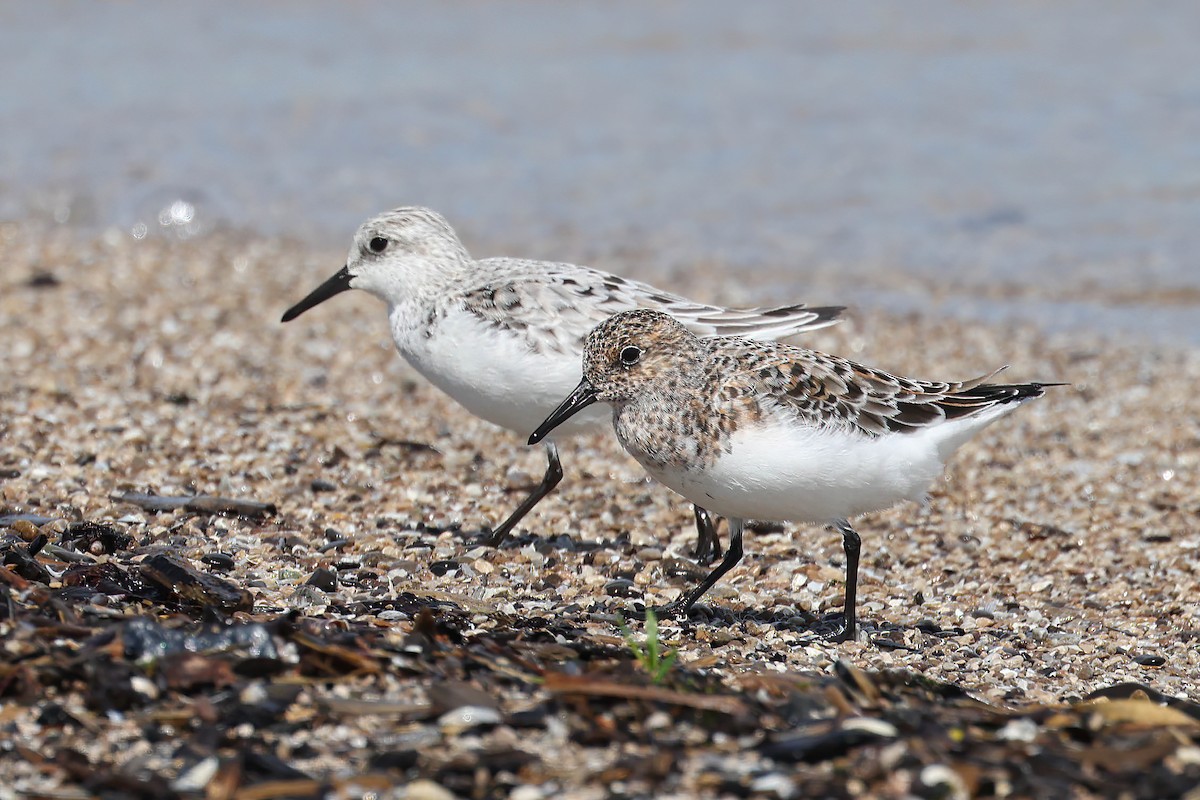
(557, 305)
(830, 392)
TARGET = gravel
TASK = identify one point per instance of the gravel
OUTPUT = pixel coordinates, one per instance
(1057, 557)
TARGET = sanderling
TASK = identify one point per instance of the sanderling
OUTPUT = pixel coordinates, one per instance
(504, 336)
(762, 430)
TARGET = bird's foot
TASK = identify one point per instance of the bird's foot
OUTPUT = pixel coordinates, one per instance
(695, 614)
(833, 628)
(490, 538)
(669, 611)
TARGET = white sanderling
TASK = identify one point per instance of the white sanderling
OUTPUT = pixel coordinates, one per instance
(762, 430)
(504, 336)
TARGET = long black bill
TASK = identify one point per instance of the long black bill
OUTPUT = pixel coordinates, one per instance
(339, 283)
(583, 396)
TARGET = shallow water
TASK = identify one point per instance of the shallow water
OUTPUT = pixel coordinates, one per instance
(1054, 148)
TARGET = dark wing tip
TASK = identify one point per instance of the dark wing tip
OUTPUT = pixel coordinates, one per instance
(822, 312)
(968, 402)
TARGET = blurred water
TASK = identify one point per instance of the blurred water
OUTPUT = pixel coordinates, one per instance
(1046, 146)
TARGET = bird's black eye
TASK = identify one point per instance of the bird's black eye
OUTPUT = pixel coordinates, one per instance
(630, 355)
(378, 244)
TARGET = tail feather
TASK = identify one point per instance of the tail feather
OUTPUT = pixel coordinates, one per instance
(977, 398)
(970, 411)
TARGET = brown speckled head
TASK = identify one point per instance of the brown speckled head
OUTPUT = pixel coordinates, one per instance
(638, 355)
(635, 351)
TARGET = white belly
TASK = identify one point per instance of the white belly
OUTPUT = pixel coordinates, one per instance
(793, 472)
(494, 374)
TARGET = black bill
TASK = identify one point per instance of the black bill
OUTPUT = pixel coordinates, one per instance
(339, 283)
(583, 396)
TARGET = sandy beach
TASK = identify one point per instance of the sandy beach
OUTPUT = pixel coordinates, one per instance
(1057, 557)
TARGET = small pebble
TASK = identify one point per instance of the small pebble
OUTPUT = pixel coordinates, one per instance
(324, 579)
(423, 789)
(940, 781)
(1018, 730)
(466, 718)
(621, 587)
(194, 779)
(220, 561)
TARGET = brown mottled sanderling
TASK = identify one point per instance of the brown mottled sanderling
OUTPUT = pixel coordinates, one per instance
(504, 336)
(761, 430)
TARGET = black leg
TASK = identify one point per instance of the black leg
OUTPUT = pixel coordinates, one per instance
(553, 476)
(732, 557)
(852, 544)
(708, 543)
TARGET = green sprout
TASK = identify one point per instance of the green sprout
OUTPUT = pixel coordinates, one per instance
(651, 655)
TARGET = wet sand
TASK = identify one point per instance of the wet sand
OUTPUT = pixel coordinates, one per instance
(1058, 556)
